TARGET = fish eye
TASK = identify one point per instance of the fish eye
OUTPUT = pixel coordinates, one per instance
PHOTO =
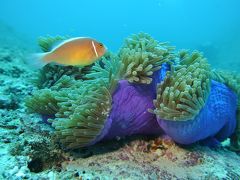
(100, 44)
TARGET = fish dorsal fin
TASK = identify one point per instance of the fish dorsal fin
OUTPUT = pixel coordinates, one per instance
(60, 43)
(48, 42)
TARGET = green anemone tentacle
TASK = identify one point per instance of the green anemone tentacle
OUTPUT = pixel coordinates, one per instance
(231, 79)
(81, 107)
(42, 102)
(108, 69)
(82, 114)
(183, 93)
(51, 73)
(141, 56)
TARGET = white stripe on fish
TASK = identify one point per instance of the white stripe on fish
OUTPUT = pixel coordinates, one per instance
(94, 47)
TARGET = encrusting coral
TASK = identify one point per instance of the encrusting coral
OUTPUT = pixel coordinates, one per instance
(111, 98)
(183, 93)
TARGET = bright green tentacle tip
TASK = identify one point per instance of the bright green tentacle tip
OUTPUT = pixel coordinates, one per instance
(141, 56)
(184, 92)
(232, 80)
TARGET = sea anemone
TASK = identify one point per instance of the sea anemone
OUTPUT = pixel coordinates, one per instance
(232, 80)
(141, 56)
(183, 93)
(192, 107)
(112, 97)
(217, 118)
(95, 109)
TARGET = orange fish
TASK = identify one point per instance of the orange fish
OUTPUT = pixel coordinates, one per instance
(80, 51)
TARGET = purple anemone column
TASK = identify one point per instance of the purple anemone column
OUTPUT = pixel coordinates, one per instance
(129, 114)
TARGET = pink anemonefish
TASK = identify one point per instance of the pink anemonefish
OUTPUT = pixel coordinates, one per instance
(81, 51)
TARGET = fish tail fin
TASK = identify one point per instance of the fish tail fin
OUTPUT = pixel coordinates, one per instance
(36, 60)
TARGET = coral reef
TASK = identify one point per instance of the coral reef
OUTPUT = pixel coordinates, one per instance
(85, 111)
(42, 152)
(29, 151)
(82, 108)
(19, 132)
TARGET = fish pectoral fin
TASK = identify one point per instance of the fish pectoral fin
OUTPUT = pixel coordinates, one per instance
(80, 66)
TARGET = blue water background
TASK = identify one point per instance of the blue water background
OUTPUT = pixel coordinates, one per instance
(212, 26)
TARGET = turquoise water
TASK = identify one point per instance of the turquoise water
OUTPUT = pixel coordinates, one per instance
(204, 24)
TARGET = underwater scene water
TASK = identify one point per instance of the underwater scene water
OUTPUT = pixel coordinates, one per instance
(119, 90)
